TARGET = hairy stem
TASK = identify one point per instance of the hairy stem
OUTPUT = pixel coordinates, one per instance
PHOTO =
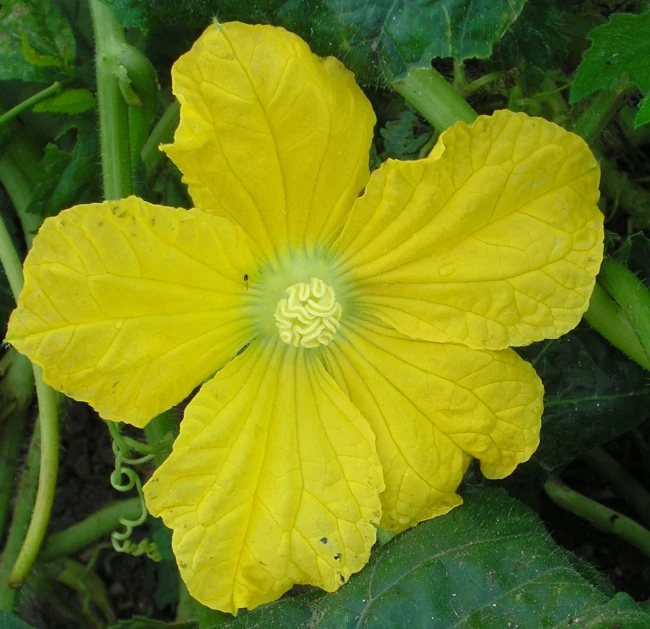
(113, 110)
(601, 517)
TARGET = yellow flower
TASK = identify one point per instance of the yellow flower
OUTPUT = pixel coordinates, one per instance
(360, 344)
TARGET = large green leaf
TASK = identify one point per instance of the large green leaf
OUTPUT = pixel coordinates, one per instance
(594, 393)
(488, 564)
(618, 56)
(374, 38)
(36, 41)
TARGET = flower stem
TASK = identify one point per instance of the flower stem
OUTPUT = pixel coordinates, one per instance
(598, 515)
(88, 531)
(113, 110)
(626, 486)
(435, 98)
(55, 88)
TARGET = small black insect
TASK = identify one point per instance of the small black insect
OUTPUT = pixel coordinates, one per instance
(246, 280)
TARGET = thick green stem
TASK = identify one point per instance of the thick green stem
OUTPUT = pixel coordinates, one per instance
(598, 114)
(84, 533)
(598, 515)
(49, 467)
(606, 316)
(55, 88)
(626, 486)
(22, 513)
(433, 96)
(113, 110)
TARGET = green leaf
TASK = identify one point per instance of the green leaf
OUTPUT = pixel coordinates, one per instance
(618, 56)
(537, 37)
(68, 178)
(9, 621)
(643, 115)
(142, 622)
(594, 393)
(36, 41)
(487, 564)
(74, 101)
(375, 39)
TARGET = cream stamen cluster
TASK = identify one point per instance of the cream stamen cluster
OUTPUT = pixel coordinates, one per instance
(309, 315)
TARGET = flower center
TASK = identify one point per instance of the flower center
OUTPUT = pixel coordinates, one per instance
(309, 315)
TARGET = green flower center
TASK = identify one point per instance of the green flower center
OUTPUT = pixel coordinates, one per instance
(309, 315)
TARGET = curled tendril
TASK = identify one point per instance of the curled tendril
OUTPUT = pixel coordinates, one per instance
(123, 478)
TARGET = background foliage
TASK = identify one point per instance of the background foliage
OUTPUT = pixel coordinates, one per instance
(584, 64)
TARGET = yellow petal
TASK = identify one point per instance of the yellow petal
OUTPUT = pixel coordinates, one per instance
(492, 241)
(432, 406)
(273, 480)
(272, 137)
(129, 306)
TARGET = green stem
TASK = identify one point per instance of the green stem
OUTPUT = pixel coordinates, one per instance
(433, 96)
(49, 466)
(84, 533)
(22, 513)
(55, 88)
(632, 197)
(151, 154)
(113, 110)
(48, 423)
(626, 486)
(10, 261)
(607, 317)
(16, 391)
(19, 163)
(601, 517)
(483, 81)
(598, 114)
